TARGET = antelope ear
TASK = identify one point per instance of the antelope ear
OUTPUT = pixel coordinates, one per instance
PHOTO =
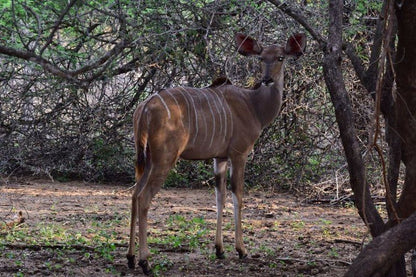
(247, 46)
(296, 45)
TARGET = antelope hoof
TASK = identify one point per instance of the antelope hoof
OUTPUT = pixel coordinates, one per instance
(131, 261)
(242, 255)
(144, 264)
(220, 255)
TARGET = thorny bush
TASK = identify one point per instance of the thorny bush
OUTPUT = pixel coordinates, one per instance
(68, 92)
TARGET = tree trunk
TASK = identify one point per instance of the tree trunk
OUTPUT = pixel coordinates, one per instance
(406, 100)
(382, 253)
(400, 116)
(386, 252)
(344, 115)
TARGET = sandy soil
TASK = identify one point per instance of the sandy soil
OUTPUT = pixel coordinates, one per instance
(284, 236)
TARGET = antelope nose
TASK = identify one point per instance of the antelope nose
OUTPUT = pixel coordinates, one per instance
(267, 80)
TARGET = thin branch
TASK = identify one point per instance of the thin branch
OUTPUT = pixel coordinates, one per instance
(388, 30)
(51, 68)
(38, 21)
(356, 63)
(56, 26)
(117, 49)
(31, 56)
(301, 19)
(18, 30)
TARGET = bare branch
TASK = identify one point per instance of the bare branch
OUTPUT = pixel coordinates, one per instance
(56, 27)
(345, 118)
(55, 70)
(301, 19)
(30, 56)
(357, 63)
(39, 25)
(378, 257)
(117, 49)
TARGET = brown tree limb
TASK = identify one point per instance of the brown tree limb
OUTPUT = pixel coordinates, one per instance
(388, 26)
(32, 57)
(356, 62)
(301, 19)
(55, 70)
(117, 49)
(385, 250)
(334, 80)
(406, 99)
(56, 26)
(344, 115)
(368, 77)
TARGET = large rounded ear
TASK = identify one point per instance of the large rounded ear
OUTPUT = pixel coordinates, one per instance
(247, 46)
(296, 45)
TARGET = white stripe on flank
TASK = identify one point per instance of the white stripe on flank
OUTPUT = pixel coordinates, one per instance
(218, 112)
(213, 119)
(188, 108)
(173, 96)
(164, 103)
(177, 104)
(198, 96)
(221, 101)
(231, 117)
(196, 115)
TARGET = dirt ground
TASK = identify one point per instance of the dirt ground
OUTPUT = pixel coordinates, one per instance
(81, 229)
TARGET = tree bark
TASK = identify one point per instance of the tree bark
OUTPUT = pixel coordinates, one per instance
(399, 114)
(380, 255)
(406, 100)
(344, 115)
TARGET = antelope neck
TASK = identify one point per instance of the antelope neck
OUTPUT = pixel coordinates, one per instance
(267, 101)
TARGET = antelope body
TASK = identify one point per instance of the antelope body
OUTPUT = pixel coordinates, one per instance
(220, 122)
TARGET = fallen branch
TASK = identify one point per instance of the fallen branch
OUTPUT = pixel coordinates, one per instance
(383, 251)
(348, 241)
(38, 247)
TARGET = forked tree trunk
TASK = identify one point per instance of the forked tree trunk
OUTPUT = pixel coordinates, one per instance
(384, 251)
(335, 82)
(400, 114)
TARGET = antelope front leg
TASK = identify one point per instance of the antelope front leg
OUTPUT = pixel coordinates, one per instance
(220, 171)
(237, 186)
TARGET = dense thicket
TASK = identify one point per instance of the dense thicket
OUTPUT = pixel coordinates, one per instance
(72, 73)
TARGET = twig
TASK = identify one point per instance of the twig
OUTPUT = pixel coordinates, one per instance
(300, 17)
(128, 189)
(348, 241)
(384, 54)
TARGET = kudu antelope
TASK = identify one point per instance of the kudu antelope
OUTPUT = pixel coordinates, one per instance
(221, 122)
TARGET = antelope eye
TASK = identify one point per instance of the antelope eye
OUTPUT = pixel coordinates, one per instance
(280, 59)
